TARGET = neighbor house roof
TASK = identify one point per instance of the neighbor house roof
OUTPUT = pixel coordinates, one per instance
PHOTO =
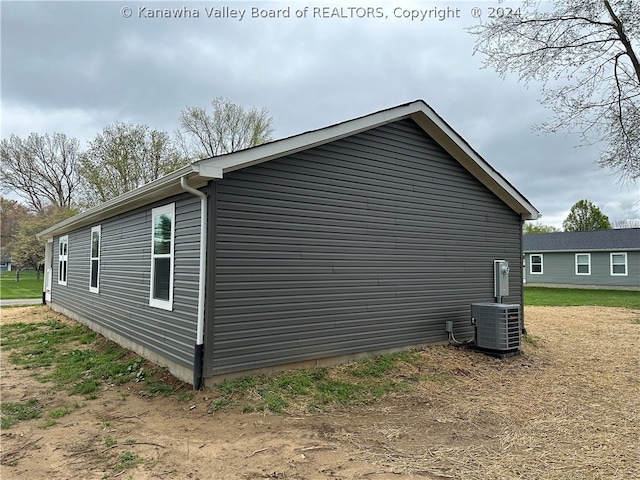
(198, 173)
(622, 239)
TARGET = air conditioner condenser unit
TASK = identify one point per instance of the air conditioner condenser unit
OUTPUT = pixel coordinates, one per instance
(497, 325)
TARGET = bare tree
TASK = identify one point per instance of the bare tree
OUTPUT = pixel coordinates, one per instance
(585, 54)
(125, 156)
(42, 169)
(229, 128)
(627, 223)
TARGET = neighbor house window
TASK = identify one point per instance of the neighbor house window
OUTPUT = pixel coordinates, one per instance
(583, 264)
(63, 259)
(618, 264)
(95, 259)
(162, 232)
(535, 264)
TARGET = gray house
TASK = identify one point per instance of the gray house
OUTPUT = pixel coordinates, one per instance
(5, 263)
(594, 259)
(359, 238)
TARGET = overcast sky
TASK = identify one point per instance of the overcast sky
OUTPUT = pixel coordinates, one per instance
(74, 67)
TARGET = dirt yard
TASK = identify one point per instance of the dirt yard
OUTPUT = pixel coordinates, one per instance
(568, 408)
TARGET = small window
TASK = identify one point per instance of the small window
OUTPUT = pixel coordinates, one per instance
(63, 259)
(95, 260)
(162, 233)
(618, 264)
(535, 264)
(583, 264)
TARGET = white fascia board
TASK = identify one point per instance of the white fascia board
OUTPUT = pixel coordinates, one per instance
(151, 192)
(208, 170)
(584, 250)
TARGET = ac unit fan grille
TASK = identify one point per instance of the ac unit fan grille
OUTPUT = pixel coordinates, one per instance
(498, 325)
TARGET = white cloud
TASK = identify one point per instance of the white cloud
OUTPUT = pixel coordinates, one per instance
(23, 120)
(77, 66)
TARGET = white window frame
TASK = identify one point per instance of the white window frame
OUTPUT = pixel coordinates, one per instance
(588, 255)
(156, 212)
(541, 272)
(97, 229)
(63, 259)
(626, 266)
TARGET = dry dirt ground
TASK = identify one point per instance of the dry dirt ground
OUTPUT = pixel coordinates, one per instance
(568, 408)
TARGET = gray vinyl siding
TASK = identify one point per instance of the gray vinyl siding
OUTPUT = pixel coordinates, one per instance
(370, 242)
(559, 268)
(122, 304)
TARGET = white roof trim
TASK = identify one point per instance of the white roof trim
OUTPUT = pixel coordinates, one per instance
(151, 192)
(584, 250)
(214, 168)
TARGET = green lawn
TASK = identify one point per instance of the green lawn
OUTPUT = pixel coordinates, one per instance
(27, 287)
(575, 297)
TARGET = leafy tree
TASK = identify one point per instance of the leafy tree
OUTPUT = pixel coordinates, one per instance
(11, 212)
(585, 53)
(125, 156)
(531, 228)
(42, 169)
(28, 251)
(227, 129)
(584, 215)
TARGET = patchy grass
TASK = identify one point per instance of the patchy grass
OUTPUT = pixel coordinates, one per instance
(14, 412)
(63, 348)
(532, 340)
(29, 286)
(474, 415)
(110, 442)
(55, 414)
(568, 297)
(75, 360)
(126, 460)
(360, 382)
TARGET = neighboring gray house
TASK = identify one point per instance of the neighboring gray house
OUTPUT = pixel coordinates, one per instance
(5, 264)
(598, 258)
(359, 238)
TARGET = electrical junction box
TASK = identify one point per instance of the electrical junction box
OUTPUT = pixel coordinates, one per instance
(501, 278)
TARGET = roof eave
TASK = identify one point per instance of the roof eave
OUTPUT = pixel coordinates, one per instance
(582, 250)
(144, 195)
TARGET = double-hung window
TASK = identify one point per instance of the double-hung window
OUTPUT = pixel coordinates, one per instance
(619, 263)
(162, 244)
(583, 264)
(63, 259)
(94, 285)
(535, 264)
